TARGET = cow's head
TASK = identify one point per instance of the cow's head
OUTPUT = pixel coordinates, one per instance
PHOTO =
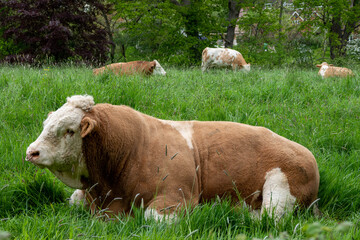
(246, 67)
(59, 146)
(323, 67)
(158, 70)
(324, 64)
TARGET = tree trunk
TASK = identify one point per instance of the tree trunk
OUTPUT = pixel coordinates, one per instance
(324, 46)
(335, 37)
(110, 36)
(123, 51)
(234, 10)
(338, 37)
(280, 17)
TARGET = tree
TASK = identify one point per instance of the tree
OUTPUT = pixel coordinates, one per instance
(59, 30)
(107, 14)
(337, 18)
(176, 31)
(260, 21)
(191, 15)
(234, 10)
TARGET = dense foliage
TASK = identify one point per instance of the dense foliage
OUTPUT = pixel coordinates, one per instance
(40, 30)
(160, 29)
(176, 32)
(169, 30)
(337, 19)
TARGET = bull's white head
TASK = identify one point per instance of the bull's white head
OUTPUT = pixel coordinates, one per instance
(246, 67)
(158, 70)
(59, 146)
(323, 67)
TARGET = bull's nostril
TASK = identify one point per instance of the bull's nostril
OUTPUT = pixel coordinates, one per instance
(34, 154)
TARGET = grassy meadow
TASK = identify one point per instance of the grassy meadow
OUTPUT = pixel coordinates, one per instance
(321, 114)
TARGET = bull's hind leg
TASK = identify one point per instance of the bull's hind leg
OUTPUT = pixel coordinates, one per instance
(162, 209)
(277, 198)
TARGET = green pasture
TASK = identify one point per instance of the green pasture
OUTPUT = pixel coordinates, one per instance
(321, 114)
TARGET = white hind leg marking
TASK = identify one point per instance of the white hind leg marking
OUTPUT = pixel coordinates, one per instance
(153, 213)
(277, 198)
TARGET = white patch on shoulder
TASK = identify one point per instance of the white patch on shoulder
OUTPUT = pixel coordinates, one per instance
(323, 69)
(276, 194)
(153, 213)
(184, 128)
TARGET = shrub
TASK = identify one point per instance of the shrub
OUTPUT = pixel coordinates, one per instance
(50, 29)
(353, 48)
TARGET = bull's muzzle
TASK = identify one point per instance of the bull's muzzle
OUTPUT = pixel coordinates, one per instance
(32, 155)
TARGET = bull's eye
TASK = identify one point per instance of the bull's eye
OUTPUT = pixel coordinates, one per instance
(69, 132)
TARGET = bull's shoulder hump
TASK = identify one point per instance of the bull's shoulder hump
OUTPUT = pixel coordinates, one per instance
(232, 51)
(214, 50)
(224, 127)
(111, 109)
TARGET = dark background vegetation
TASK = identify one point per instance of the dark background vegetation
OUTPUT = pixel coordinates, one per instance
(176, 31)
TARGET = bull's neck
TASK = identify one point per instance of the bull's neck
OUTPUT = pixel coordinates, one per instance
(73, 177)
(113, 149)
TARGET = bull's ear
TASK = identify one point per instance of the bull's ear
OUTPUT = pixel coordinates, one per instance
(87, 126)
(149, 68)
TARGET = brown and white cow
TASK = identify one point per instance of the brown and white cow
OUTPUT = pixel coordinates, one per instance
(223, 58)
(116, 156)
(130, 68)
(328, 70)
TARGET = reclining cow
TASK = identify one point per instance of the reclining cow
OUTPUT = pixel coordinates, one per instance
(130, 68)
(121, 156)
(328, 70)
(223, 58)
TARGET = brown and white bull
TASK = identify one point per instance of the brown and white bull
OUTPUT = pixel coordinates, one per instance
(130, 68)
(328, 70)
(223, 58)
(116, 156)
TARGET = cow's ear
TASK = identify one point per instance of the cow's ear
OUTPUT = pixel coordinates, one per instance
(318, 65)
(153, 65)
(331, 65)
(87, 126)
(50, 113)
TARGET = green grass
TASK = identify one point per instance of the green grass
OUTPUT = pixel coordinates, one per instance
(322, 115)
